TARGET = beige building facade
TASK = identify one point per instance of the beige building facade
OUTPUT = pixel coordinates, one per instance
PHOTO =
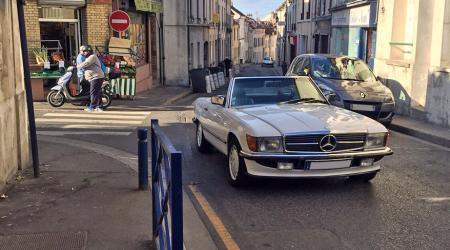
(413, 56)
(14, 135)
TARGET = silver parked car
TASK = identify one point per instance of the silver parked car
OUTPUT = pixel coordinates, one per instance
(285, 127)
(351, 83)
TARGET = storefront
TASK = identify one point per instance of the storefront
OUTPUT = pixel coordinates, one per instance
(354, 31)
(56, 29)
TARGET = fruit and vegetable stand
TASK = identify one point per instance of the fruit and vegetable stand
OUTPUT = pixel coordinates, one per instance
(37, 83)
(121, 66)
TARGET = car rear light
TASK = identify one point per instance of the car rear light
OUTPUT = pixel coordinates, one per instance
(251, 143)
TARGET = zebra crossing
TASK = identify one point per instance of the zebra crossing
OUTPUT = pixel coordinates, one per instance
(71, 121)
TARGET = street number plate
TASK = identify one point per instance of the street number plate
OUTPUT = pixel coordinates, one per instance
(314, 165)
(362, 107)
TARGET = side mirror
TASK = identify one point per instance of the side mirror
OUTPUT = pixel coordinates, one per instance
(218, 100)
(329, 94)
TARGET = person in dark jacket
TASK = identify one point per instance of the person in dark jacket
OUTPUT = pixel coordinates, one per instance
(228, 65)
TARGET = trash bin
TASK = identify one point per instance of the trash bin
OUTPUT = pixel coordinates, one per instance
(198, 80)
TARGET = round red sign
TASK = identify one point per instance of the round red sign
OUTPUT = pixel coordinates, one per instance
(119, 20)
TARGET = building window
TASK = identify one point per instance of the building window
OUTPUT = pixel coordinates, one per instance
(308, 13)
(198, 55)
(302, 15)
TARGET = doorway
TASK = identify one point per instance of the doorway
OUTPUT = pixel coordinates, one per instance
(62, 37)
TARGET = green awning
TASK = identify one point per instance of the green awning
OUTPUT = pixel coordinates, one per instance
(149, 6)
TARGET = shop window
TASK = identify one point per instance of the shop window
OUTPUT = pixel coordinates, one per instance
(402, 30)
(138, 34)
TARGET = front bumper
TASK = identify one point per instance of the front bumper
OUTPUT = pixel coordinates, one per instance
(256, 163)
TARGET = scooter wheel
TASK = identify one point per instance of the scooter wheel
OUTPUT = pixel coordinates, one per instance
(55, 99)
(106, 101)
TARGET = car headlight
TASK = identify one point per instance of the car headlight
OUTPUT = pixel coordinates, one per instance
(376, 140)
(264, 144)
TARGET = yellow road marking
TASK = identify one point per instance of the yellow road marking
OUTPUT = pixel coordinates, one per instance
(217, 223)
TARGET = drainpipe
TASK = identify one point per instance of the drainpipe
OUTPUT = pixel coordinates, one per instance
(28, 92)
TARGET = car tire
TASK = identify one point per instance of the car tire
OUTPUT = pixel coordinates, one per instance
(203, 145)
(363, 177)
(237, 171)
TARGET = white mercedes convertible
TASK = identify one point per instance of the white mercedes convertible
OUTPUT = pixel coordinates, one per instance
(285, 127)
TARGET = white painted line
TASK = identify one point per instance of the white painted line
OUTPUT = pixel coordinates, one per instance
(80, 111)
(100, 122)
(119, 21)
(101, 115)
(62, 133)
(87, 126)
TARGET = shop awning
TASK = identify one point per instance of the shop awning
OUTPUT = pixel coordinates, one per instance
(149, 5)
(72, 3)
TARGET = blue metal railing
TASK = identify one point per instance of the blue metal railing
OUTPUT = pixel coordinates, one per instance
(167, 196)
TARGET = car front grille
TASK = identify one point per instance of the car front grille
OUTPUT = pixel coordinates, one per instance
(311, 143)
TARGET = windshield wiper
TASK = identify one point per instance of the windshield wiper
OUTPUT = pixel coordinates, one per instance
(345, 79)
(303, 100)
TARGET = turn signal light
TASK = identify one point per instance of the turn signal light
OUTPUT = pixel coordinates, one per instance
(251, 143)
(387, 138)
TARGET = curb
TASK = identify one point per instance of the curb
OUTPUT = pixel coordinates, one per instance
(421, 135)
(178, 97)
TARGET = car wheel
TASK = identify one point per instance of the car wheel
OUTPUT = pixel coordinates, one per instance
(237, 172)
(203, 145)
(363, 177)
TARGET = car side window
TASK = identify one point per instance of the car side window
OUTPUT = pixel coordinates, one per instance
(306, 67)
(297, 66)
(290, 71)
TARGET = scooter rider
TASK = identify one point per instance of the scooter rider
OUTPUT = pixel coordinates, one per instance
(84, 85)
(94, 74)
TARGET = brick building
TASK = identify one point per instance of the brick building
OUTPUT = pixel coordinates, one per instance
(66, 25)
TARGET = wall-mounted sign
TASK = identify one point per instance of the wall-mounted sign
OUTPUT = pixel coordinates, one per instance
(352, 17)
(119, 20)
(149, 6)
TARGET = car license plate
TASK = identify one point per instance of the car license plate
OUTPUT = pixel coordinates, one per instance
(362, 107)
(314, 165)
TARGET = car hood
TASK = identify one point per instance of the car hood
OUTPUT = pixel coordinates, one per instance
(295, 118)
(353, 86)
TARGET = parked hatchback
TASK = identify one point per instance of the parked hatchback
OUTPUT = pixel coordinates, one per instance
(347, 82)
(267, 62)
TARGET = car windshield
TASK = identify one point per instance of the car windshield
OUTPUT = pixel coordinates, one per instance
(341, 68)
(257, 91)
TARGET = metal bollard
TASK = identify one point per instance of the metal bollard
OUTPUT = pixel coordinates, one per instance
(143, 159)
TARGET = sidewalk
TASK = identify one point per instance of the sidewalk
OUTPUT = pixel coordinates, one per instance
(82, 200)
(85, 198)
(155, 97)
(426, 131)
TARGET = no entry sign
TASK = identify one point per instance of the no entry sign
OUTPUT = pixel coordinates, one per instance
(119, 20)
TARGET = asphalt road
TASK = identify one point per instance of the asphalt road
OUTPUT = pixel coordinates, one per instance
(407, 206)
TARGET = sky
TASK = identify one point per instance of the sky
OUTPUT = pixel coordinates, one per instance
(259, 8)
